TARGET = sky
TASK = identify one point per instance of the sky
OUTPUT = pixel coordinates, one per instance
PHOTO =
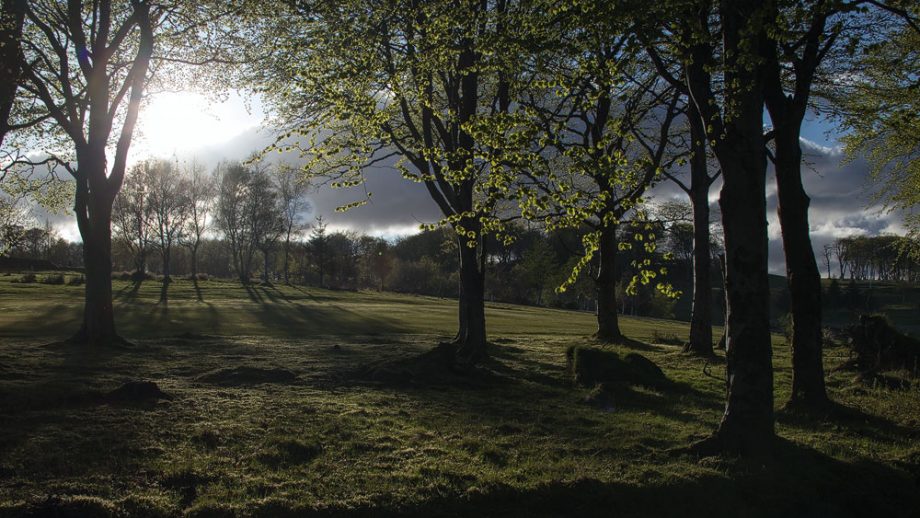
(186, 125)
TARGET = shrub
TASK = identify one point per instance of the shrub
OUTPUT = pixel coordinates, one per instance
(77, 281)
(56, 279)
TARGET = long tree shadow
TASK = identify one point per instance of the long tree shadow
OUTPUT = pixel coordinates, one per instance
(198, 293)
(131, 291)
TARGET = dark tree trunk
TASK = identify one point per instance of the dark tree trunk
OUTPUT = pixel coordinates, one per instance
(195, 261)
(701, 312)
(470, 342)
(164, 291)
(98, 327)
(287, 254)
(11, 21)
(802, 274)
(747, 425)
(605, 283)
(265, 258)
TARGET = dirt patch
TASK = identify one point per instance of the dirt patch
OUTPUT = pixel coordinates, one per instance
(238, 376)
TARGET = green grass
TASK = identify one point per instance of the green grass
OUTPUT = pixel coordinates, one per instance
(516, 438)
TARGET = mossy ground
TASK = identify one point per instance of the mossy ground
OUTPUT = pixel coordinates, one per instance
(515, 438)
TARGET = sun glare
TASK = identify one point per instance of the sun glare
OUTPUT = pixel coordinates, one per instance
(180, 121)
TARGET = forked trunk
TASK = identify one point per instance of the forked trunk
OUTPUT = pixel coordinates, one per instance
(802, 274)
(605, 283)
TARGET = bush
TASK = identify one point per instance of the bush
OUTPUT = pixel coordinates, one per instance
(56, 279)
(77, 281)
(200, 277)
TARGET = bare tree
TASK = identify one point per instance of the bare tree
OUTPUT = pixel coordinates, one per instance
(292, 191)
(248, 215)
(131, 217)
(169, 209)
(201, 191)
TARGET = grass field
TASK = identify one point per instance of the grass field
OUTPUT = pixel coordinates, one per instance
(271, 415)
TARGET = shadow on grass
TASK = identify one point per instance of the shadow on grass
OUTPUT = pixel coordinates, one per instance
(872, 426)
(797, 482)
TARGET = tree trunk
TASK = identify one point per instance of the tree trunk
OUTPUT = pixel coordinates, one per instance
(470, 342)
(98, 327)
(11, 21)
(747, 424)
(701, 311)
(265, 268)
(195, 261)
(802, 274)
(605, 283)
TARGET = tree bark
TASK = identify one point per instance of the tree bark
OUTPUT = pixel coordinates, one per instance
(701, 311)
(470, 342)
(802, 274)
(747, 425)
(94, 217)
(605, 284)
(11, 21)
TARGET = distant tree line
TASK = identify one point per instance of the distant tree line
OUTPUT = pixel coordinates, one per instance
(885, 258)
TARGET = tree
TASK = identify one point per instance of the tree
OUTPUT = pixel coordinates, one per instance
(85, 93)
(169, 207)
(131, 216)
(266, 217)
(248, 215)
(603, 134)
(200, 190)
(83, 72)
(718, 47)
(292, 191)
(364, 81)
(880, 107)
(12, 18)
(318, 247)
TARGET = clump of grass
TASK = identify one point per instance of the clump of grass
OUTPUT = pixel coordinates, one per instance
(54, 279)
(288, 451)
(659, 337)
(26, 278)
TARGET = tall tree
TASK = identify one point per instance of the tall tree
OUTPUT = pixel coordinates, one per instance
(87, 64)
(607, 124)
(169, 207)
(292, 191)
(85, 67)
(201, 191)
(12, 18)
(714, 42)
(698, 191)
(368, 80)
(881, 109)
(131, 216)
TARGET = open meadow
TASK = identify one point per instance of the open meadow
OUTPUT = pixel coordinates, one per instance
(270, 406)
